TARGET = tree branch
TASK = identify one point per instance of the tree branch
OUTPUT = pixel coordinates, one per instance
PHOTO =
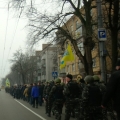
(109, 15)
(78, 6)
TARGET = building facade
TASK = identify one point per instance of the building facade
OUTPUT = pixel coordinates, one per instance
(46, 62)
(76, 29)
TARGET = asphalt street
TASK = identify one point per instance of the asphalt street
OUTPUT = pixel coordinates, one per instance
(13, 109)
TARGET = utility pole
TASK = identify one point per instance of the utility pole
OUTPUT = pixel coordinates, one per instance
(102, 36)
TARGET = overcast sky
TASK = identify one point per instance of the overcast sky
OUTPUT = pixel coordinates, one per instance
(12, 36)
(13, 33)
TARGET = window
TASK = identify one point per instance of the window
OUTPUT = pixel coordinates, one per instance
(43, 61)
(68, 69)
(71, 28)
(91, 13)
(59, 60)
(94, 62)
(66, 44)
(73, 67)
(54, 69)
(78, 24)
(39, 70)
(55, 61)
(81, 47)
(38, 58)
(78, 32)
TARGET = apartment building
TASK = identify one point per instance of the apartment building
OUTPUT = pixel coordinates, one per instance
(77, 30)
(46, 62)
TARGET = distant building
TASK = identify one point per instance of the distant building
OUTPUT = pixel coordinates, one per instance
(46, 62)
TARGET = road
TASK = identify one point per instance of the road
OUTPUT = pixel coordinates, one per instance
(13, 109)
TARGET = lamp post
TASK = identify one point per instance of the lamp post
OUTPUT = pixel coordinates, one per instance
(101, 34)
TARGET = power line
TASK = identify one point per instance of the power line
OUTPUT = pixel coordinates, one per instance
(12, 40)
(5, 37)
(33, 4)
(15, 33)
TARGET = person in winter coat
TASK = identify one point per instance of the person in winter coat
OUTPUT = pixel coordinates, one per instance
(25, 93)
(29, 94)
(35, 95)
(113, 90)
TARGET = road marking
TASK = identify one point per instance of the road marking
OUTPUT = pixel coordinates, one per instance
(30, 110)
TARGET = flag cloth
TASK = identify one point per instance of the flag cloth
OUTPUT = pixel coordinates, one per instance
(7, 82)
(68, 56)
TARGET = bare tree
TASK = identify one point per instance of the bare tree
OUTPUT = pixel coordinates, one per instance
(45, 26)
(112, 23)
(22, 64)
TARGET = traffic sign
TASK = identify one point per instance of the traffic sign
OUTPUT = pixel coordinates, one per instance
(54, 74)
(102, 35)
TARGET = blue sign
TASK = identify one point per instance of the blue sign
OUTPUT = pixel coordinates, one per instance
(102, 36)
(54, 74)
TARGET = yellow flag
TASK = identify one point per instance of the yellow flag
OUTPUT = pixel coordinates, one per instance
(68, 56)
(7, 83)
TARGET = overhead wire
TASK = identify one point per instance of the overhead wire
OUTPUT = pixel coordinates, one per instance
(15, 33)
(5, 40)
(12, 40)
(34, 5)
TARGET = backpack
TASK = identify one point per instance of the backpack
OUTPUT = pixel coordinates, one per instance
(94, 95)
(59, 92)
(73, 90)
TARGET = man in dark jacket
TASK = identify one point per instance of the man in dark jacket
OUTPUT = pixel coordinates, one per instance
(40, 92)
(113, 90)
(72, 93)
(57, 93)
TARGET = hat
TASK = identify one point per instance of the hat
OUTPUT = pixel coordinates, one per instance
(58, 80)
(96, 78)
(118, 62)
(69, 76)
(89, 79)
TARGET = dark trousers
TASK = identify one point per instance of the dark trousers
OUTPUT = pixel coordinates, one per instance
(46, 106)
(40, 100)
(58, 105)
(69, 108)
(35, 101)
(31, 100)
(118, 114)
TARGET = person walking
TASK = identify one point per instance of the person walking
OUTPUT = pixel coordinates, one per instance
(25, 93)
(113, 91)
(29, 94)
(40, 92)
(57, 93)
(72, 93)
(91, 100)
(35, 95)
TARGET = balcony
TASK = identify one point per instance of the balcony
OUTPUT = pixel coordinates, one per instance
(55, 62)
(39, 74)
(43, 66)
(43, 61)
(43, 72)
(39, 71)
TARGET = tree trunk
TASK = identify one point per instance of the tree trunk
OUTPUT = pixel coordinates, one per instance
(88, 55)
(114, 48)
(23, 78)
(114, 32)
(86, 59)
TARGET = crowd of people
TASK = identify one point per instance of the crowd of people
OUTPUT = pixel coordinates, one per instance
(85, 99)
